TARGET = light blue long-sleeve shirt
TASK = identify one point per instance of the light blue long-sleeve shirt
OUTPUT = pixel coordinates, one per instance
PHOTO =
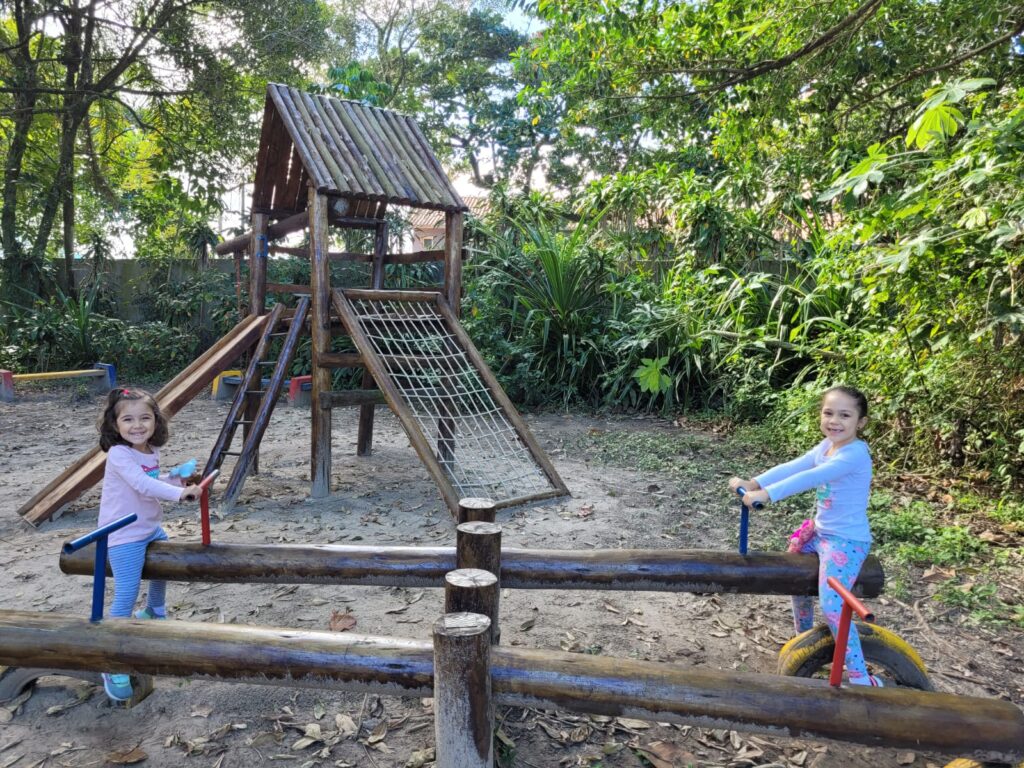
(843, 482)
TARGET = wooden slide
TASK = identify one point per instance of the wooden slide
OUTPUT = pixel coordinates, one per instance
(85, 472)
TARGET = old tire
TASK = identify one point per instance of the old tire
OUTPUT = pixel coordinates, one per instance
(810, 655)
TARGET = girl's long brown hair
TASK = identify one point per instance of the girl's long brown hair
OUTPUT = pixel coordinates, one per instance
(107, 424)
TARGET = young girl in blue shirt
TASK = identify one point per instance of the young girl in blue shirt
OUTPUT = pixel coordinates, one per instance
(839, 468)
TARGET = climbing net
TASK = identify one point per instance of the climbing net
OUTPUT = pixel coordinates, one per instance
(471, 436)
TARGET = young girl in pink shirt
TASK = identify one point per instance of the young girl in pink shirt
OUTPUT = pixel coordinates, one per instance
(132, 429)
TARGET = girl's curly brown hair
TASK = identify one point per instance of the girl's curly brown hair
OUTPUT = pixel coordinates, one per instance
(107, 424)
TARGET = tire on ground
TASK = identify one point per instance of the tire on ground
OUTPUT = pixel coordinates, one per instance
(886, 652)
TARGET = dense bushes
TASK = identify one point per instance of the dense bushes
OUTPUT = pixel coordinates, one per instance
(903, 278)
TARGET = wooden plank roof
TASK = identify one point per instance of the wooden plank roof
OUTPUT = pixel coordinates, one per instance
(347, 149)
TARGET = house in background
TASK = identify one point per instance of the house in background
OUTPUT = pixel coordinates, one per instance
(428, 225)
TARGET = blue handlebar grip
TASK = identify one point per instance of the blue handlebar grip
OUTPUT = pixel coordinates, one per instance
(99, 574)
(745, 518)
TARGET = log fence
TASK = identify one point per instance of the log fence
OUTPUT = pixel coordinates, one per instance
(984, 729)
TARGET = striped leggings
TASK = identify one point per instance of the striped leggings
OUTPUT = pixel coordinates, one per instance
(126, 561)
(841, 558)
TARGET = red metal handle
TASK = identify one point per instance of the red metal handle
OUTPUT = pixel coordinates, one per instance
(850, 604)
(204, 504)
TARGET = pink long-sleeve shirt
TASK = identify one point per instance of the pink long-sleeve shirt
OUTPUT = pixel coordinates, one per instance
(131, 483)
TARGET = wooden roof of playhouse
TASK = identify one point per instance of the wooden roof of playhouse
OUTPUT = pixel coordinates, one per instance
(347, 149)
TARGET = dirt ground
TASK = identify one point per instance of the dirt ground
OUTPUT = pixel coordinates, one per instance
(389, 499)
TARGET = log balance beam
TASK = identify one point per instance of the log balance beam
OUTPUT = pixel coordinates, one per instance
(658, 570)
(985, 729)
(104, 374)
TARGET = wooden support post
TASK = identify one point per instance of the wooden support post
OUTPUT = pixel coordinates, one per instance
(258, 247)
(364, 438)
(453, 260)
(473, 508)
(471, 590)
(463, 705)
(478, 546)
(320, 332)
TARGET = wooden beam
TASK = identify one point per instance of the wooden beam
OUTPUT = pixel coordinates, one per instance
(351, 397)
(364, 433)
(655, 570)
(453, 260)
(274, 231)
(984, 729)
(320, 333)
(341, 360)
(258, 256)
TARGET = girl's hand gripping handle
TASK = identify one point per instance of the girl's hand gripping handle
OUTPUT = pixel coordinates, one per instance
(745, 514)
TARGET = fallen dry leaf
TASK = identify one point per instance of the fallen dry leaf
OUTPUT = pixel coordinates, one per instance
(342, 621)
(662, 754)
(129, 757)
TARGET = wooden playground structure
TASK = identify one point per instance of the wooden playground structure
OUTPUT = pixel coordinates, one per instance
(325, 165)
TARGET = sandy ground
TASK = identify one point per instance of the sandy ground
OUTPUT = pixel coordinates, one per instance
(389, 499)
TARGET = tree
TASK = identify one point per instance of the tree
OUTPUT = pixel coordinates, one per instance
(169, 71)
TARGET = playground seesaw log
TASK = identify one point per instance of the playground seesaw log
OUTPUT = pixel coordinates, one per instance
(660, 570)
(985, 729)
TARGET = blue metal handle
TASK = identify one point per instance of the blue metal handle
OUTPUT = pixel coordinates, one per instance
(99, 533)
(99, 574)
(745, 519)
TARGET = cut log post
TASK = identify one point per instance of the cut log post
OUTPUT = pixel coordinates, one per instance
(320, 334)
(463, 705)
(475, 508)
(470, 590)
(364, 434)
(984, 729)
(658, 570)
(478, 546)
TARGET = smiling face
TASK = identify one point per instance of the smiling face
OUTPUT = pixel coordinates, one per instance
(136, 424)
(840, 418)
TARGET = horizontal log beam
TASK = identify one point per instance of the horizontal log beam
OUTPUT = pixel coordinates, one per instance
(415, 257)
(274, 231)
(348, 398)
(658, 570)
(984, 729)
(341, 360)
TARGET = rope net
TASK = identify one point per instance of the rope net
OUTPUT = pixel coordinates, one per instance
(474, 442)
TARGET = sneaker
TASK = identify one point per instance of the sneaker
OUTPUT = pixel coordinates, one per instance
(148, 613)
(118, 687)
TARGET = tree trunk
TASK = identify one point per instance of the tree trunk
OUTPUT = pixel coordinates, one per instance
(17, 263)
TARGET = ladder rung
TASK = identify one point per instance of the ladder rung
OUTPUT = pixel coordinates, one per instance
(268, 362)
(255, 391)
(243, 421)
(230, 453)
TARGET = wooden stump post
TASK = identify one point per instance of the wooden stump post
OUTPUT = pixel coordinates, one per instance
(471, 590)
(463, 706)
(476, 508)
(478, 546)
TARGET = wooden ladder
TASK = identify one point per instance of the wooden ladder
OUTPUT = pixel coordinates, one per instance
(245, 401)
